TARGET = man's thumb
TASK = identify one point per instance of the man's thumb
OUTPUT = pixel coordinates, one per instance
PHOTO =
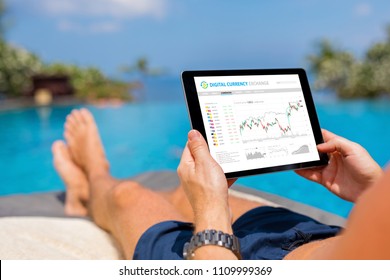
(197, 145)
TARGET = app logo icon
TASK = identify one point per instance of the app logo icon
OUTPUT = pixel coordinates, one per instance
(204, 85)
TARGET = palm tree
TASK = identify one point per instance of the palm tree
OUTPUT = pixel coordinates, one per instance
(331, 66)
(141, 70)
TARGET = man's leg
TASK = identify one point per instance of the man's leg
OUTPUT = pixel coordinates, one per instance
(78, 199)
(123, 208)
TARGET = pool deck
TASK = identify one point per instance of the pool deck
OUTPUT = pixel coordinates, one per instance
(51, 204)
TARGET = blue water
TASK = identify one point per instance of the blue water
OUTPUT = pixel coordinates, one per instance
(150, 134)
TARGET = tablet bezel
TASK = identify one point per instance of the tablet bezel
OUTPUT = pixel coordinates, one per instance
(194, 110)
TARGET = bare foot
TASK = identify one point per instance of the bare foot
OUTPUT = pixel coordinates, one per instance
(76, 182)
(86, 148)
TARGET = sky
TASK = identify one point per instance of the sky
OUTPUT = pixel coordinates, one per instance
(181, 35)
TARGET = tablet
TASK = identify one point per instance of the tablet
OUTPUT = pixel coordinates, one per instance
(255, 121)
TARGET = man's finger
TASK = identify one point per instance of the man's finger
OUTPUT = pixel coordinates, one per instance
(186, 156)
(310, 174)
(187, 162)
(339, 144)
(327, 134)
(198, 146)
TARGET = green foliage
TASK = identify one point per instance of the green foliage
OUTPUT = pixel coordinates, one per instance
(349, 77)
(90, 83)
(141, 67)
(16, 68)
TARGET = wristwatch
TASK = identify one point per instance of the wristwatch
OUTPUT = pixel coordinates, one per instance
(211, 237)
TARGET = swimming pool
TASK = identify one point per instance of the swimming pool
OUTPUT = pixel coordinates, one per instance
(149, 136)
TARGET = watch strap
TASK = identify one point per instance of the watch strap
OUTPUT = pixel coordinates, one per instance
(211, 237)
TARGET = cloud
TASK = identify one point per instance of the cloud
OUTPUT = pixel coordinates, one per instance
(94, 16)
(96, 27)
(104, 8)
(363, 9)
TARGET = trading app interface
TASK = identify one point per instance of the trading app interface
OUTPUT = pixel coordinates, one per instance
(256, 122)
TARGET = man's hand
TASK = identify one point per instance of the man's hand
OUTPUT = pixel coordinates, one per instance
(205, 185)
(351, 170)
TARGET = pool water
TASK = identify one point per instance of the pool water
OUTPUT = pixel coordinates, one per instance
(149, 136)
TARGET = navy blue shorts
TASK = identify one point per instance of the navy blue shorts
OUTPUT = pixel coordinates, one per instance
(265, 233)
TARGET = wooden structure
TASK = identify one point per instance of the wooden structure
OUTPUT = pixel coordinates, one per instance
(57, 85)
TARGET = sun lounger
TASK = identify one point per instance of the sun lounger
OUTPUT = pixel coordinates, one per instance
(35, 227)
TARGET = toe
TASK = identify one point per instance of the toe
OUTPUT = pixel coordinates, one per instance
(67, 134)
(69, 138)
(72, 129)
(58, 147)
(87, 116)
(71, 121)
(60, 152)
(78, 117)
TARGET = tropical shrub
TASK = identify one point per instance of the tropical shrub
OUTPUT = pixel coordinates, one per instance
(16, 68)
(349, 77)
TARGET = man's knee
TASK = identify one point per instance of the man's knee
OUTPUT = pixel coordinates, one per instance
(124, 194)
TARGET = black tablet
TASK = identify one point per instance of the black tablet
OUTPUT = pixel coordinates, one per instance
(255, 121)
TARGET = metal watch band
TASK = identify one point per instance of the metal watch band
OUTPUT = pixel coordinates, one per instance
(211, 237)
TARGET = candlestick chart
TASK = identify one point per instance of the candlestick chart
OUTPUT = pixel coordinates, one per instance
(273, 121)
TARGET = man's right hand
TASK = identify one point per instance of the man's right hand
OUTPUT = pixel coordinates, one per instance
(205, 185)
(351, 170)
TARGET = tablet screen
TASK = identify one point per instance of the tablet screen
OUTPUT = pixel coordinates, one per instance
(255, 122)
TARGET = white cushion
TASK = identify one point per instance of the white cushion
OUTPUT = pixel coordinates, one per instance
(54, 238)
